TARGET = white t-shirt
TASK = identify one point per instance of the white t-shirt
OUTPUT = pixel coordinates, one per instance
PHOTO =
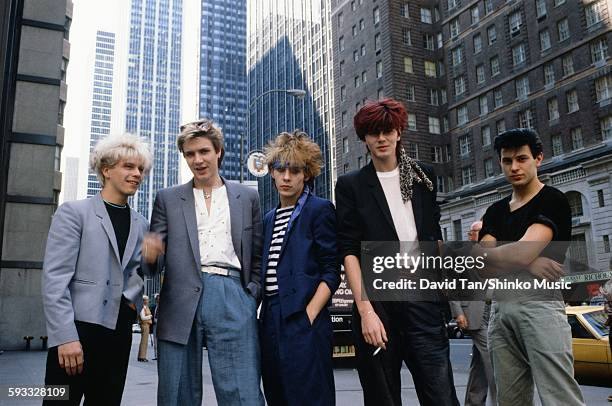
(401, 213)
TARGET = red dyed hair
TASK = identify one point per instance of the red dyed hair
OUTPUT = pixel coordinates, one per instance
(380, 116)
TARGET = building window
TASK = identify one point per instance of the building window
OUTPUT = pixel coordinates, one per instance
(404, 10)
(488, 6)
(491, 34)
(432, 97)
(379, 69)
(440, 40)
(340, 19)
(457, 55)
(563, 29)
(434, 125)
(544, 40)
(361, 25)
(606, 127)
(364, 77)
(484, 105)
(346, 168)
(475, 15)
(518, 54)
(376, 15)
(410, 93)
(357, 81)
(568, 65)
(429, 42)
(603, 88)
(377, 45)
(457, 230)
(522, 87)
(572, 101)
(408, 64)
(488, 167)
(426, 15)
(553, 109)
(341, 68)
(480, 74)
(436, 154)
(477, 40)
(495, 68)
(525, 119)
(498, 98)
(452, 4)
(500, 125)
(576, 134)
(599, 50)
(557, 145)
(594, 12)
(343, 119)
(515, 22)
(600, 198)
(406, 36)
(549, 74)
(462, 115)
(355, 56)
(342, 93)
(445, 125)
(459, 85)
(412, 150)
(412, 126)
(443, 98)
(540, 8)
(606, 243)
(363, 50)
(454, 28)
(440, 185)
(468, 175)
(465, 145)
(485, 135)
(354, 29)
(345, 145)
(575, 202)
(430, 69)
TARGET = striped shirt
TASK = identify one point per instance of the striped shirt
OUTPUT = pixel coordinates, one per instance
(278, 234)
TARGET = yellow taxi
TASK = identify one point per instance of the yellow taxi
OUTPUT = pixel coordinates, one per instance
(590, 344)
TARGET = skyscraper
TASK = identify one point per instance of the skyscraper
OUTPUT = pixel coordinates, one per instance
(102, 94)
(290, 48)
(222, 75)
(153, 90)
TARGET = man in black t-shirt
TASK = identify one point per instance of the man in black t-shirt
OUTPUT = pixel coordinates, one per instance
(529, 340)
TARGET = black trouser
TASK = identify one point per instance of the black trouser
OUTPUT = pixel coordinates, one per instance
(106, 354)
(417, 336)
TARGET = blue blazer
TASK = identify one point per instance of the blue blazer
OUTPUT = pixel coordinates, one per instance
(308, 255)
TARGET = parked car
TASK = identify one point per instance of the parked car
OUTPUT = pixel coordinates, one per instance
(590, 345)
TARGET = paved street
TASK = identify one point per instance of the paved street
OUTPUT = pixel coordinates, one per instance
(27, 368)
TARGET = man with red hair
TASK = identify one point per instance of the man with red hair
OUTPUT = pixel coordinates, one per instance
(393, 198)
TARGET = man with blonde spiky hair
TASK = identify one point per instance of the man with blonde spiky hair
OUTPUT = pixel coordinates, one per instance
(300, 273)
(90, 283)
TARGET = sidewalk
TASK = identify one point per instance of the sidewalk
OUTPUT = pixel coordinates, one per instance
(27, 368)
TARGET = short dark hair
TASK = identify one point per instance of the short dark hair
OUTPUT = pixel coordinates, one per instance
(517, 137)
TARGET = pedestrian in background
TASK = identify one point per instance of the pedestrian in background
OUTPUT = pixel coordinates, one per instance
(145, 319)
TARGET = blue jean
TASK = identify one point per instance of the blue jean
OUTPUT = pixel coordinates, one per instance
(226, 324)
(531, 342)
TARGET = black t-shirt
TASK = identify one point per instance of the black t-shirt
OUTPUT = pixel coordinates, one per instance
(120, 217)
(549, 207)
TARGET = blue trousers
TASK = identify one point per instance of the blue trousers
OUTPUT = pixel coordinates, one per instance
(296, 357)
(226, 323)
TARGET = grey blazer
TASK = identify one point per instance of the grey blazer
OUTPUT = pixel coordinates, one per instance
(82, 277)
(174, 218)
(472, 310)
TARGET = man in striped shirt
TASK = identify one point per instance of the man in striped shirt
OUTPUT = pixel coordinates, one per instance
(300, 273)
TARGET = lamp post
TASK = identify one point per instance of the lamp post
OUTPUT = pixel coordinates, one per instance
(297, 93)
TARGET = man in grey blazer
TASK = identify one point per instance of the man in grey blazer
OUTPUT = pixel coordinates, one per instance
(473, 317)
(90, 280)
(207, 235)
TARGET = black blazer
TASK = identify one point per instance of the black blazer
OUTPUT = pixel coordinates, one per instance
(363, 214)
